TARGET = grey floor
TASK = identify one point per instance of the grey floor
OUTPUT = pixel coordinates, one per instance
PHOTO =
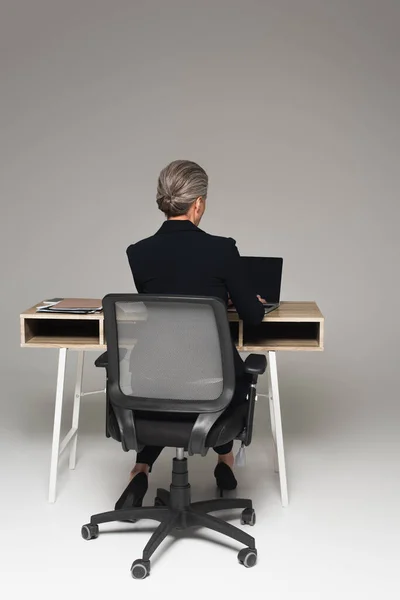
(337, 539)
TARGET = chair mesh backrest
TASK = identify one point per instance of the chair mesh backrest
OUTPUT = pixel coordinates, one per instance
(168, 350)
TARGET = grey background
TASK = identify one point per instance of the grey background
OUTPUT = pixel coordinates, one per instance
(292, 107)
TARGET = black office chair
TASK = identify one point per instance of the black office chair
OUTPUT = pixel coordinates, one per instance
(166, 356)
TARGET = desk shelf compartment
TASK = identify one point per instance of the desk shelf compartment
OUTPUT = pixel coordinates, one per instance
(61, 333)
(283, 336)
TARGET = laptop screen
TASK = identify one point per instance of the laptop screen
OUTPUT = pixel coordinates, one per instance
(265, 275)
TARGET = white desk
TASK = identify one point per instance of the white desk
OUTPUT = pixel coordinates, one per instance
(294, 326)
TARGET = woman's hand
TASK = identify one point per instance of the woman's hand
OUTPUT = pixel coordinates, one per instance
(230, 303)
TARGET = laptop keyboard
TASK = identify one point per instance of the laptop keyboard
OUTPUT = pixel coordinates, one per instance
(269, 307)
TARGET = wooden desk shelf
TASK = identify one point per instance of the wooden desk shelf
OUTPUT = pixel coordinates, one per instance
(293, 326)
(79, 332)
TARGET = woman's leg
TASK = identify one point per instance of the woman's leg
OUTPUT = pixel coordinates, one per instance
(145, 460)
(225, 454)
(137, 487)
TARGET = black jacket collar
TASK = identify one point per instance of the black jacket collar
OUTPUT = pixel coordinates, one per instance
(175, 226)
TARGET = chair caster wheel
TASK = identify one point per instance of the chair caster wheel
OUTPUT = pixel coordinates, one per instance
(90, 532)
(158, 502)
(248, 517)
(140, 569)
(248, 557)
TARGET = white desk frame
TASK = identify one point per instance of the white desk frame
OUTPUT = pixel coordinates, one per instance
(292, 313)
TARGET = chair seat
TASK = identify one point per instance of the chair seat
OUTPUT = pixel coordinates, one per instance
(166, 430)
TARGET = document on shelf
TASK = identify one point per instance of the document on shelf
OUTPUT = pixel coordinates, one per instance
(71, 306)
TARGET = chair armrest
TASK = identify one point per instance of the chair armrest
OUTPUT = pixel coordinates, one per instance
(255, 364)
(102, 361)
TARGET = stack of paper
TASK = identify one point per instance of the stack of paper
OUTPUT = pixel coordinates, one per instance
(73, 306)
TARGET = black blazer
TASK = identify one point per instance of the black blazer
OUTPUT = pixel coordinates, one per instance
(182, 259)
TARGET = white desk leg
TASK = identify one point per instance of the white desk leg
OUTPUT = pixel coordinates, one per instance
(273, 424)
(276, 421)
(55, 449)
(77, 406)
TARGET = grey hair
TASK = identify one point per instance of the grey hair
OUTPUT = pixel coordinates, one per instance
(179, 185)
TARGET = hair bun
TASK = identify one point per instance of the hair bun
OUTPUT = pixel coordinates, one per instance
(178, 187)
(164, 203)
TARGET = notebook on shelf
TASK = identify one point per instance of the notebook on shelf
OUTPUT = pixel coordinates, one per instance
(80, 306)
